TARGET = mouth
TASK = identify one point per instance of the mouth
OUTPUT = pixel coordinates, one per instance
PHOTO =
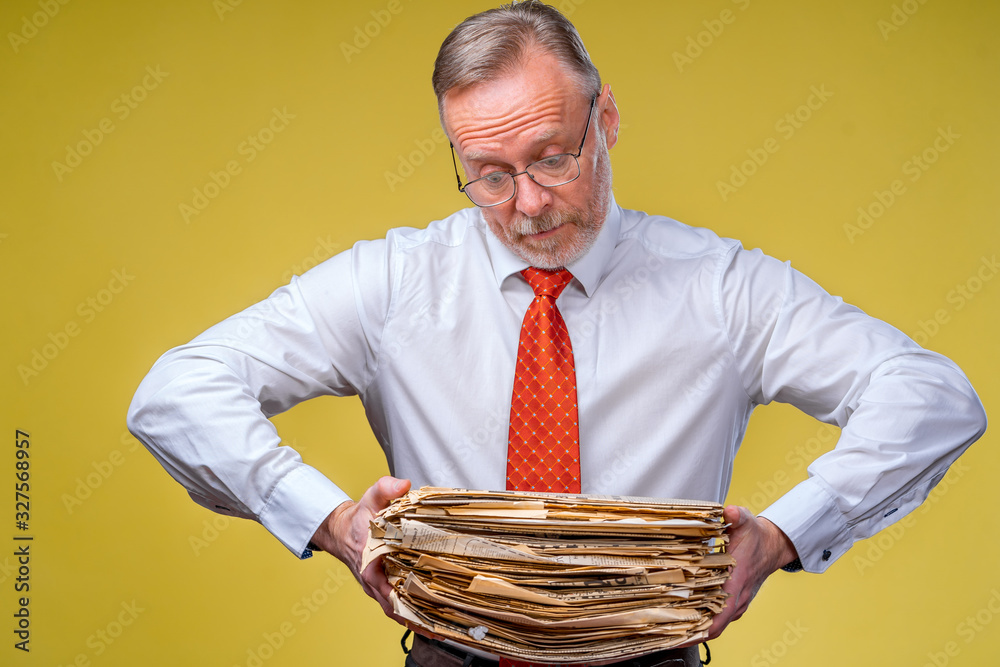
(540, 236)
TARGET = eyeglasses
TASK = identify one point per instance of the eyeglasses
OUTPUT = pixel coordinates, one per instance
(498, 187)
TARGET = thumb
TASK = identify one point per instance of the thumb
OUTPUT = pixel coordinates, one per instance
(386, 490)
(736, 516)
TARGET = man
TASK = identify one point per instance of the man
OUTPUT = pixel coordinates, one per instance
(676, 335)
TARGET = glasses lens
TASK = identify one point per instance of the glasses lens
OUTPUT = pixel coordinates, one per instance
(491, 189)
(498, 187)
(555, 170)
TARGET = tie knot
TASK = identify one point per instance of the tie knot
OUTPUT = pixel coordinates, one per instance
(547, 283)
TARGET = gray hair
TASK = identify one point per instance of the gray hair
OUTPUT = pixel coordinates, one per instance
(489, 45)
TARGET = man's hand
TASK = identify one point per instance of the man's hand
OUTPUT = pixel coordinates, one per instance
(345, 532)
(759, 548)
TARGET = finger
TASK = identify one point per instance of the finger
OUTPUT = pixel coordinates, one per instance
(374, 578)
(733, 588)
(740, 519)
(736, 516)
(736, 604)
(386, 605)
(376, 585)
(384, 491)
(719, 623)
(741, 522)
(389, 609)
(726, 616)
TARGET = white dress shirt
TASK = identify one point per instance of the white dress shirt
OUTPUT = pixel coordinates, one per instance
(677, 335)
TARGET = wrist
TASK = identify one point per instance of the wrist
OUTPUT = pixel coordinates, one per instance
(324, 538)
(784, 555)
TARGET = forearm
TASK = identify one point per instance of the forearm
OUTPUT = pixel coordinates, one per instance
(203, 409)
(913, 420)
(204, 424)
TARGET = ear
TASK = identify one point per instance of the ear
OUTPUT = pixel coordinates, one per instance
(608, 115)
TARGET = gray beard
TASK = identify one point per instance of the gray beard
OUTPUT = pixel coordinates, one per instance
(554, 254)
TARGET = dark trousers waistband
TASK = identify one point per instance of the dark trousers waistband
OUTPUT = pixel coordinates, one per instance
(431, 653)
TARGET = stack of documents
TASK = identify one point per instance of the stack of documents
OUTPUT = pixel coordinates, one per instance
(556, 578)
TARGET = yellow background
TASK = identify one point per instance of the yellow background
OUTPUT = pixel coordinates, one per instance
(112, 529)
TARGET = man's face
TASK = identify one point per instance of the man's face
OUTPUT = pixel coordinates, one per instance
(506, 124)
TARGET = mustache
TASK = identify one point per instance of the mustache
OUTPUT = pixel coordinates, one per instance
(526, 226)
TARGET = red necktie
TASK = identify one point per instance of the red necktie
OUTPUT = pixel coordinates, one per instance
(543, 451)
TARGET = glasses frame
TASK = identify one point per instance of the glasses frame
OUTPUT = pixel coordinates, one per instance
(513, 177)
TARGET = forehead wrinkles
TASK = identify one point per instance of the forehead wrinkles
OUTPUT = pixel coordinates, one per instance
(477, 142)
(477, 132)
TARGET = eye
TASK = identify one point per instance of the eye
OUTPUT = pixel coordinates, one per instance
(496, 180)
(553, 162)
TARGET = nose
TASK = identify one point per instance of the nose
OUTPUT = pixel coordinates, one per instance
(530, 198)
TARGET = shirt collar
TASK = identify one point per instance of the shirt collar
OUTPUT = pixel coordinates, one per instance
(589, 270)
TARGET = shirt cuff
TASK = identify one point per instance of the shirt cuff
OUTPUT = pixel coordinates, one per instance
(298, 505)
(811, 520)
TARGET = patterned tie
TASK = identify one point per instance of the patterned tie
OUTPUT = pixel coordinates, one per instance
(543, 451)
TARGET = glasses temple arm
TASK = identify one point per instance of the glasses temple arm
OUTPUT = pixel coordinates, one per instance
(455, 164)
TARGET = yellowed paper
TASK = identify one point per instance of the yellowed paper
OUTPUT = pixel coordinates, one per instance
(555, 578)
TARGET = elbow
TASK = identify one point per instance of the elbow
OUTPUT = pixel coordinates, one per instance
(142, 405)
(151, 399)
(133, 417)
(959, 405)
(979, 420)
(971, 416)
